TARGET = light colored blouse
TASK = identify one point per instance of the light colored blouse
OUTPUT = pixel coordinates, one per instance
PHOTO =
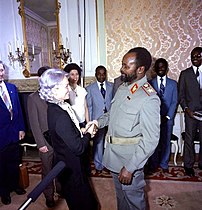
(77, 100)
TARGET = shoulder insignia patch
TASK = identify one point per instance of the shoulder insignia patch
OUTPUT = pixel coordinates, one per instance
(134, 88)
(149, 90)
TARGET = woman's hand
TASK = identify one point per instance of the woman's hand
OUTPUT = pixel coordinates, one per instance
(91, 127)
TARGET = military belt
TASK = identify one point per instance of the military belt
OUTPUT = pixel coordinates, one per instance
(121, 140)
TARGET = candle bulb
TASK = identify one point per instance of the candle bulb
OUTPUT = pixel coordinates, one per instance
(53, 45)
(23, 48)
(33, 49)
(9, 47)
(67, 43)
(17, 43)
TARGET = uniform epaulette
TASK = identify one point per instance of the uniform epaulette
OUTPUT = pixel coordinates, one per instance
(149, 90)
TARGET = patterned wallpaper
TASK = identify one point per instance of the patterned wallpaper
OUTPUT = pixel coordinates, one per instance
(167, 28)
(37, 34)
(53, 37)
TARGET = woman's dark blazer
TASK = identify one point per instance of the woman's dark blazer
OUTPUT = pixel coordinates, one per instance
(67, 144)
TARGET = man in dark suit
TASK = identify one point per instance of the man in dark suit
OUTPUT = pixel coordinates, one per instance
(99, 103)
(190, 98)
(11, 131)
(166, 89)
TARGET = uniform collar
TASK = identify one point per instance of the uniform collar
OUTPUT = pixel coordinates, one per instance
(138, 82)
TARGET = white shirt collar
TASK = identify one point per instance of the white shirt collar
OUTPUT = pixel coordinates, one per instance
(195, 68)
(2, 84)
(99, 86)
(159, 80)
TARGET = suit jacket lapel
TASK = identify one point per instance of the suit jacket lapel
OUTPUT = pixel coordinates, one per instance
(11, 95)
(155, 85)
(9, 92)
(97, 91)
(2, 103)
(167, 86)
(193, 75)
(107, 89)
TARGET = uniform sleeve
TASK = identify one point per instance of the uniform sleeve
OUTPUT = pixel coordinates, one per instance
(104, 120)
(150, 129)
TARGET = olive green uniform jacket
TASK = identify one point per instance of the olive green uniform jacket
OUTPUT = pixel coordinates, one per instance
(134, 114)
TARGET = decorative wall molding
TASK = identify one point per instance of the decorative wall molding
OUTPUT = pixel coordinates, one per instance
(26, 85)
(31, 84)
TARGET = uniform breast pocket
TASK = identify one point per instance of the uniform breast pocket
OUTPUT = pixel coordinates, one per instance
(130, 116)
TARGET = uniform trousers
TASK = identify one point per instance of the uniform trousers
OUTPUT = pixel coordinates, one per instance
(47, 165)
(130, 197)
(191, 126)
(9, 169)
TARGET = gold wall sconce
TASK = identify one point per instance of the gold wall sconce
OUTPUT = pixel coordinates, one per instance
(63, 54)
(20, 55)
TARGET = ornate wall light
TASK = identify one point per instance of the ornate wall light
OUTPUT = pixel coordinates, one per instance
(20, 55)
(63, 54)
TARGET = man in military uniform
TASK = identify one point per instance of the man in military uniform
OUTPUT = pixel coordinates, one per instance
(133, 130)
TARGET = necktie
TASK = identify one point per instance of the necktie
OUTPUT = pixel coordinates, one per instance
(162, 87)
(6, 101)
(102, 90)
(197, 72)
(199, 77)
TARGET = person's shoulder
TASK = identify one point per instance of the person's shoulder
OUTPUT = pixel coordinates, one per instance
(11, 85)
(34, 94)
(109, 83)
(187, 70)
(171, 80)
(91, 85)
(117, 78)
(55, 107)
(151, 81)
(35, 97)
(82, 90)
(148, 89)
(55, 112)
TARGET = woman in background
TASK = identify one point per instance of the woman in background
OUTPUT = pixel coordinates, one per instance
(77, 94)
(68, 141)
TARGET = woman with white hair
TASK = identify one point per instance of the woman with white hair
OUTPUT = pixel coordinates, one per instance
(68, 141)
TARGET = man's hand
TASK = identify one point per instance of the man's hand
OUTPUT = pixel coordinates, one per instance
(91, 127)
(189, 112)
(21, 135)
(125, 177)
(43, 149)
(95, 122)
(164, 119)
